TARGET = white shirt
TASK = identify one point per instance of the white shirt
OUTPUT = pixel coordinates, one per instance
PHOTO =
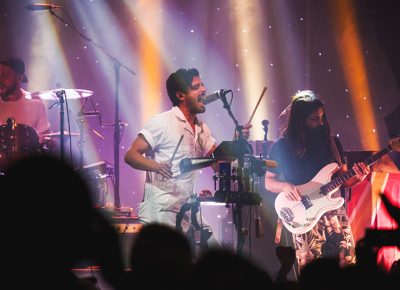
(163, 132)
(30, 112)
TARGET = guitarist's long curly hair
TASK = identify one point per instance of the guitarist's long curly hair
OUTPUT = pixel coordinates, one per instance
(304, 103)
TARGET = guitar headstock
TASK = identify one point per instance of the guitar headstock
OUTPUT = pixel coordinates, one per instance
(394, 144)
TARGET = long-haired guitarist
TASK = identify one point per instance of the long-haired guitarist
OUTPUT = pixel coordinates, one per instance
(305, 148)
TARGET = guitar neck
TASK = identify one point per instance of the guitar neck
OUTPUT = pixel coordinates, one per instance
(338, 181)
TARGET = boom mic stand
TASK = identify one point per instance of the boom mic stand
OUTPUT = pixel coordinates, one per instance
(238, 207)
(117, 122)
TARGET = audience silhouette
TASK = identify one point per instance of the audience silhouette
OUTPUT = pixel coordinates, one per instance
(50, 226)
(160, 257)
(53, 227)
(223, 269)
(287, 258)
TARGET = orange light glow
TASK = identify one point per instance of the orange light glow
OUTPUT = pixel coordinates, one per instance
(350, 52)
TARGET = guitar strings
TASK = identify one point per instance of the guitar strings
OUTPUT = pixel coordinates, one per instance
(299, 206)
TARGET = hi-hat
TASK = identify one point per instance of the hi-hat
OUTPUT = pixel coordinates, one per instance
(58, 134)
(70, 94)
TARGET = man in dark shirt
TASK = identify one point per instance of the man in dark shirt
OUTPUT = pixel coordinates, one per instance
(306, 147)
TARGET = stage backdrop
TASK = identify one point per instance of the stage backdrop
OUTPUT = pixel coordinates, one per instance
(366, 210)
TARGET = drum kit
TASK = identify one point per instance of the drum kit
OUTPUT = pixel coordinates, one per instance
(16, 141)
(20, 140)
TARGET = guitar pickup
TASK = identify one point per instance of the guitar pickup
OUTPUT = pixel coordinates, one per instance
(306, 201)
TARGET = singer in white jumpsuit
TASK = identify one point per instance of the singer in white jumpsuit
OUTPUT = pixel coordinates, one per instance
(163, 198)
(166, 189)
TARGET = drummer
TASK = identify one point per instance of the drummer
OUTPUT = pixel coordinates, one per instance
(15, 102)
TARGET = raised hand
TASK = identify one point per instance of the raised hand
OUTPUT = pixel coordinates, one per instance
(392, 210)
(245, 131)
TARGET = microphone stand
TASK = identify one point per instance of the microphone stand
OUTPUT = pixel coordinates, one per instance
(117, 124)
(238, 207)
(81, 122)
(238, 127)
(117, 138)
(61, 96)
(265, 124)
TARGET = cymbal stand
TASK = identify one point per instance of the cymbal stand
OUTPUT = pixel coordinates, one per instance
(117, 135)
(117, 124)
(61, 96)
(81, 144)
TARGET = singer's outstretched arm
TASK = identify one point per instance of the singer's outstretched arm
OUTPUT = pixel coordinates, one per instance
(134, 157)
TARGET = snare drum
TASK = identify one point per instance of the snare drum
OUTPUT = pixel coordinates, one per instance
(17, 142)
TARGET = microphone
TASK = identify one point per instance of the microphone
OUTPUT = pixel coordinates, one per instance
(214, 96)
(41, 7)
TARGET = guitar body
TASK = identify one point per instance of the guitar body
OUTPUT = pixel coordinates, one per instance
(300, 217)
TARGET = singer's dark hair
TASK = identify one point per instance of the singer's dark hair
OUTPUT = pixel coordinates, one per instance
(180, 81)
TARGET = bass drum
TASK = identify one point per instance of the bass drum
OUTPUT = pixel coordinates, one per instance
(17, 142)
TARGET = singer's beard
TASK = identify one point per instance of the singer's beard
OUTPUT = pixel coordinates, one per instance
(196, 107)
(201, 107)
(198, 110)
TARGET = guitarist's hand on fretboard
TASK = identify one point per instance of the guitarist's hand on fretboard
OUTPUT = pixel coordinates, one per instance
(361, 170)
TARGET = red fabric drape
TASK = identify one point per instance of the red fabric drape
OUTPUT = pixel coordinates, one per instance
(366, 210)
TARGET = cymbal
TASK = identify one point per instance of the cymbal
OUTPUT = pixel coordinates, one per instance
(70, 94)
(58, 134)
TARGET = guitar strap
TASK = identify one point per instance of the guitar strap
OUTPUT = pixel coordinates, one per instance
(335, 151)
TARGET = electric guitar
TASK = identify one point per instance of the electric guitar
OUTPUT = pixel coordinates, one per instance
(300, 216)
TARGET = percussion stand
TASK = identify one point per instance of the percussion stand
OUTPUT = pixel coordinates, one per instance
(81, 122)
(61, 96)
(238, 207)
(117, 124)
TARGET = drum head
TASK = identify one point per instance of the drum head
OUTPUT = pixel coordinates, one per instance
(17, 142)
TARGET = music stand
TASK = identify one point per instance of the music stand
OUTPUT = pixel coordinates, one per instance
(231, 150)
